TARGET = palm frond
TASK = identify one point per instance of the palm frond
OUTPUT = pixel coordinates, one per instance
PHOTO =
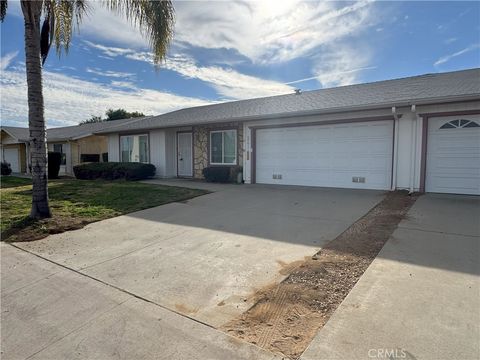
(155, 19)
(64, 16)
(3, 9)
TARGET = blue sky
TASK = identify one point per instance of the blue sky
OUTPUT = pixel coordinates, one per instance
(225, 51)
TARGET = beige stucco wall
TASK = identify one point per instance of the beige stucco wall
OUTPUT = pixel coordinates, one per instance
(201, 135)
(89, 145)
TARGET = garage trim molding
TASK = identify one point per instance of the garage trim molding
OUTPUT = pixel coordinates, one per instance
(253, 134)
(425, 117)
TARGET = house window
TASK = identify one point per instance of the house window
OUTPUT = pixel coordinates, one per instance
(59, 148)
(134, 148)
(458, 124)
(223, 147)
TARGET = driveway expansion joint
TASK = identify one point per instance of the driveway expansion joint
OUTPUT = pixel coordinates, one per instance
(437, 232)
(115, 287)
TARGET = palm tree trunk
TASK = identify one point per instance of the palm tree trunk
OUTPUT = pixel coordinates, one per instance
(32, 11)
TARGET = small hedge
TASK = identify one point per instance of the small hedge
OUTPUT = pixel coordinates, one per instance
(54, 161)
(89, 158)
(114, 171)
(222, 174)
(6, 169)
(105, 157)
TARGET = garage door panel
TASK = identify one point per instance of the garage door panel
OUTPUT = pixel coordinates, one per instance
(327, 155)
(453, 157)
(11, 156)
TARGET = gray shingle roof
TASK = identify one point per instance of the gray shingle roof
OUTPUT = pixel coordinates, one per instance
(79, 131)
(398, 92)
(70, 132)
(19, 133)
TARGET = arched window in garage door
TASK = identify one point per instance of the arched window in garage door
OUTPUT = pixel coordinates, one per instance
(459, 124)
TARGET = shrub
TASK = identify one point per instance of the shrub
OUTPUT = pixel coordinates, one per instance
(221, 174)
(6, 169)
(54, 161)
(114, 171)
(89, 158)
(105, 157)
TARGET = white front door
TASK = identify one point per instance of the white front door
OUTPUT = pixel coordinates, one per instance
(453, 155)
(184, 154)
(11, 157)
(348, 155)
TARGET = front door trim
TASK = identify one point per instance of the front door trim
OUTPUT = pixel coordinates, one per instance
(177, 154)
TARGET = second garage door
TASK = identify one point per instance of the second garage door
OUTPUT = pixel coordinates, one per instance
(453, 155)
(348, 155)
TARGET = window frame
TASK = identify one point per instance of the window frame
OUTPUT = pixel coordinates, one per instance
(63, 158)
(222, 131)
(457, 124)
(131, 135)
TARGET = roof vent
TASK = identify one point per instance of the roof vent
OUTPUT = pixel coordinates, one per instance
(298, 91)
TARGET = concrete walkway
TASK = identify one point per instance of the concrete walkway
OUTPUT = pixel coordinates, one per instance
(190, 266)
(50, 312)
(420, 298)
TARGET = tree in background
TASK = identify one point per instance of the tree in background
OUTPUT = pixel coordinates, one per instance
(93, 119)
(121, 114)
(58, 18)
(113, 115)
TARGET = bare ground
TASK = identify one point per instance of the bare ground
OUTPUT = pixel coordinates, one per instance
(286, 316)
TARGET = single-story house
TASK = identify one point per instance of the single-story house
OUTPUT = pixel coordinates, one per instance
(14, 147)
(419, 133)
(77, 143)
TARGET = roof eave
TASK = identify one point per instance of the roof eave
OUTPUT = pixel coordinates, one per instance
(378, 106)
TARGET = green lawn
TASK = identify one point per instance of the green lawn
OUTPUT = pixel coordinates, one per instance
(75, 203)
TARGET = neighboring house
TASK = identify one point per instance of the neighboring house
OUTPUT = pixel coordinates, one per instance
(419, 133)
(14, 148)
(77, 144)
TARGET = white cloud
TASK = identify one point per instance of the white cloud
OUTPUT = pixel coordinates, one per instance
(109, 73)
(450, 40)
(269, 31)
(265, 32)
(335, 74)
(339, 66)
(69, 100)
(104, 24)
(6, 60)
(449, 57)
(226, 81)
(110, 50)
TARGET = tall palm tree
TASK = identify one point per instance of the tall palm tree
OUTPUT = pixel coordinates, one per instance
(59, 18)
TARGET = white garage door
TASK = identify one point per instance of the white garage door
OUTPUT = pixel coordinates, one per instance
(453, 155)
(350, 155)
(11, 156)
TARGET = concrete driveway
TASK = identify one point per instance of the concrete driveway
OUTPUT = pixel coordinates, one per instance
(154, 274)
(420, 298)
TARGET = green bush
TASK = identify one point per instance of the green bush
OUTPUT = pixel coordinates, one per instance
(222, 174)
(114, 171)
(54, 161)
(6, 169)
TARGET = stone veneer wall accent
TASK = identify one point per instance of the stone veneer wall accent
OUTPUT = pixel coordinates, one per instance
(201, 151)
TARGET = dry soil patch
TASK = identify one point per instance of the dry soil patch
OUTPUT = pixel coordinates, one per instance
(286, 316)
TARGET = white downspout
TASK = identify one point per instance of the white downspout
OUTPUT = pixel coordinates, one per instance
(413, 157)
(395, 148)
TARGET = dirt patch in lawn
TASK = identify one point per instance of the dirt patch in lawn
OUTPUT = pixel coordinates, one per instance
(286, 316)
